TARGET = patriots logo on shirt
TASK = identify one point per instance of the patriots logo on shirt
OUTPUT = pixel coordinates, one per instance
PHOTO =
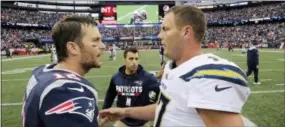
(83, 106)
(138, 83)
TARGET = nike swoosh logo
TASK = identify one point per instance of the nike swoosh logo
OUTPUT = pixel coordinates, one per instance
(77, 89)
(221, 89)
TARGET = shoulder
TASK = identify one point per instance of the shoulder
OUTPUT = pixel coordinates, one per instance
(68, 98)
(214, 67)
(115, 76)
(66, 89)
(39, 69)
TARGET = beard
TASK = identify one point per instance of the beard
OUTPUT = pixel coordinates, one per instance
(88, 61)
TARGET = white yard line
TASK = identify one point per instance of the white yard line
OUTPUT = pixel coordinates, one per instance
(242, 55)
(101, 100)
(107, 76)
(265, 79)
(281, 84)
(269, 91)
(21, 58)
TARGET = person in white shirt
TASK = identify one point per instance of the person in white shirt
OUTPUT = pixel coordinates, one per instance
(113, 52)
(53, 55)
(196, 89)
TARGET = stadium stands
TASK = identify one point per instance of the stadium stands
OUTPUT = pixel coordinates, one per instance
(247, 12)
(269, 32)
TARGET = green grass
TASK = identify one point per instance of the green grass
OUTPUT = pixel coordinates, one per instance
(265, 109)
(125, 12)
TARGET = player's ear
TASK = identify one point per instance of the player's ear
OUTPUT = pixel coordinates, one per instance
(187, 30)
(72, 48)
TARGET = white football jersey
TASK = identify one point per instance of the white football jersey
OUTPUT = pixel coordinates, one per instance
(54, 55)
(205, 81)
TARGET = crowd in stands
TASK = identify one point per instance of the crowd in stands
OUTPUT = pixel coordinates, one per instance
(129, 32)
(33, 17)
(263, 33)
(14, 37)
(259, 11)
(247, 12)
(270, 32)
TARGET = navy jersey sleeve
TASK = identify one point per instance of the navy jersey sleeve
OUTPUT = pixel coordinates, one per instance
(70, 105)
(110, 94)
(153, 84)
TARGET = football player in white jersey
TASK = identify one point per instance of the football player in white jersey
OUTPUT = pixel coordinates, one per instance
(114, 52)
(196, 89)
(53, 55)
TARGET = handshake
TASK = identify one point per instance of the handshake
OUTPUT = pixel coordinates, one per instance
(111, 114)
(139, 112)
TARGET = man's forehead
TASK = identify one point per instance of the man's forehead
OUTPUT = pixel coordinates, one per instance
(90, 29)
(168, 20)
(131, 54)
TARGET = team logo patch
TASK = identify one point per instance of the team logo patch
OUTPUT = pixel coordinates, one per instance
(138, 83)
(83, 106)
(152, 96)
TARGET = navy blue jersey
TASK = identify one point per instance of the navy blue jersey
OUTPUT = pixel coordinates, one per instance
(139, 89)
(252, 57)
(59, 98)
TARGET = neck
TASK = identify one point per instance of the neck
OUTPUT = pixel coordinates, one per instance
(192, 51)
(71, 66)
(129, 72)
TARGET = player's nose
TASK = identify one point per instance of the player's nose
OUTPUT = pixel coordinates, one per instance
(160, 35)
(102, 46)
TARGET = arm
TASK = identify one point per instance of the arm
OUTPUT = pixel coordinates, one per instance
(153, 84)
(220, 118)
(110, 95)
(143, 112)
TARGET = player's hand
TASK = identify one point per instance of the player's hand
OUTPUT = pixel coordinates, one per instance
(111, 114)
(159, 74)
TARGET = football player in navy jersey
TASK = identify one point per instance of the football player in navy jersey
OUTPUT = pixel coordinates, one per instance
(57, 95)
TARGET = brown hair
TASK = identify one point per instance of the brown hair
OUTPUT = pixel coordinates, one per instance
(131, 49)
(189, 15)
(69, 29)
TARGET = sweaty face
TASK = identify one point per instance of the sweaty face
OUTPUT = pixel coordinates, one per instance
(92, 48)
(132, 61)
(171, 37)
